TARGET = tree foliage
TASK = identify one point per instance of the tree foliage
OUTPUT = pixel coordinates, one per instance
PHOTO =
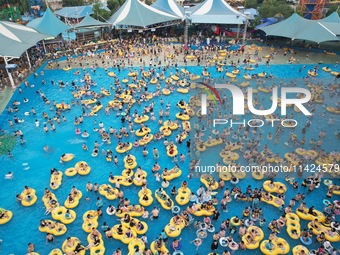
(73, 3)
(332, 9)
(272, 8)
(113, 5)
(251, 4)
(100, 14)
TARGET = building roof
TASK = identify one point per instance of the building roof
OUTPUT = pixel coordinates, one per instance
(49, 24)
(75, 11)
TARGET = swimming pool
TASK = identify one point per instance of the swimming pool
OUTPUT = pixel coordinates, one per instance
(31, 165)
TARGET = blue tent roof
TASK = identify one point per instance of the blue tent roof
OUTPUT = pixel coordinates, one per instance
(334, 17)
(267, 22)
(169, 6)
(48, 24)
(296, 27)
(75, 11)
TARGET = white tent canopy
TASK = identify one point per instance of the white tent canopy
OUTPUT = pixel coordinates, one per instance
(169, 6)
(296, 27)
(15, 39)
(216, 12)
(138, 14)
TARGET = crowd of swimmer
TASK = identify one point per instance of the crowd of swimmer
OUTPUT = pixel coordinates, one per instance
(203, 201)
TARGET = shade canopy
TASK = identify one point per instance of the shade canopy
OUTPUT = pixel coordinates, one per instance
(15, 39)
(88, 21)
(75, 11)
(138, 14)
(49, 24)
(296, 27)
(215, 12)
(170, 7)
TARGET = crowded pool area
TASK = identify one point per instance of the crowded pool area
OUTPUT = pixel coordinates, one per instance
(90, 132)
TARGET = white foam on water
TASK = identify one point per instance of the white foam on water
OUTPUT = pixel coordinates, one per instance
(75, 141)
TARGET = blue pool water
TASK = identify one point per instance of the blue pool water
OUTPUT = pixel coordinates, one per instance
(23, 228)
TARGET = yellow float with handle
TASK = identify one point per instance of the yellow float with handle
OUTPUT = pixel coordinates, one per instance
(95, 109)
(141, 119)
(209, 181)
(307, 216)
(70, 249)
(56, 180)
(28, 197)
(257, 235)
(182, 116)
(75, 202)
(59, 213)
(136, 243)
(148, 193)
(183, 90)
(203, 212)
(279, 246)
(333, 109)
(171, 174)
(82, 168)
(6, 216)
(125, 148)
(174, 77)
(67, 157)
(163, 198)
(56, 252)
(273, 201)
(156, 250)
(300, 249)
(130, 161)
(108, 192)
(183, 196)
(143, 131)
(275, 187)
(57, 229)
(293, 225)
(146, 139)
(123, 237)
(172, 229)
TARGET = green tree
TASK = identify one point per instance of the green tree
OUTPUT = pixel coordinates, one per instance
(113, 5)
(73, 3)
(332, 9)
(100, 14)
(251, 4)
(272, 8)
(23, 5)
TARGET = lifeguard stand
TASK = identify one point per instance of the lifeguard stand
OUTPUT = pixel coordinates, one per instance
(312, 9)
